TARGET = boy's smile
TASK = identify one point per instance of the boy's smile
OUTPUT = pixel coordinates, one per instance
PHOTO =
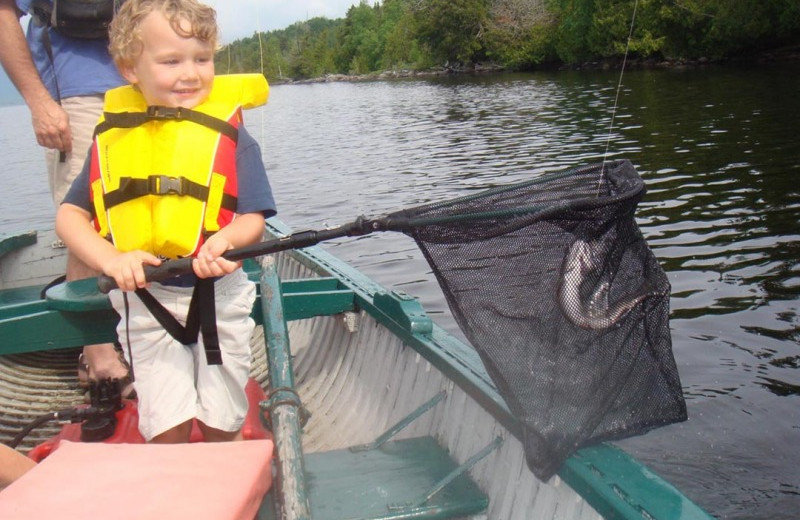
(172, 70)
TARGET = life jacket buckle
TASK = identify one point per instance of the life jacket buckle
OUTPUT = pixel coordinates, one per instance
(165, 185)
(159, 112)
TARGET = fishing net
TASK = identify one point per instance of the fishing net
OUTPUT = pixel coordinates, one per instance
(553, 284)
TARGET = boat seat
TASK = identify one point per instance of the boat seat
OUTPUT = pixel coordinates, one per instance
(84, 315)
(9, 243)
(389, 482)
(10, 298)
(79, 295)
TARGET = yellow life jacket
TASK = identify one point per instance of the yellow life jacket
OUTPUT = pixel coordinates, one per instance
(162, 178)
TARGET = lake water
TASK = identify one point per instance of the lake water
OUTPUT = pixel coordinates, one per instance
(720, 154)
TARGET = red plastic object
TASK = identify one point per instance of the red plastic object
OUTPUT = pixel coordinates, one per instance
(127, 430)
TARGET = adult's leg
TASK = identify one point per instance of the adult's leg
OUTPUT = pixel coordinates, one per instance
(102, 360)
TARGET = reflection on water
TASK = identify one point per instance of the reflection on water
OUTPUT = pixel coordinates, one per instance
(720, 156)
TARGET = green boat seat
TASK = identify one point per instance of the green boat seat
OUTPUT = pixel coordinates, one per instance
(13, 297)
(389, 482)
(81, 314)
(17, 241)
(302, 298)
(76, 296)
(19, 295)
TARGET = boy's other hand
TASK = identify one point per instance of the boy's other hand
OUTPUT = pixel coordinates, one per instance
(209, 261)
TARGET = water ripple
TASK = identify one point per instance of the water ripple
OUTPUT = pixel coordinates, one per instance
(721, 214)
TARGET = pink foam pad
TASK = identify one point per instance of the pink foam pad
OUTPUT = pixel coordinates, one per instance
(225, 480)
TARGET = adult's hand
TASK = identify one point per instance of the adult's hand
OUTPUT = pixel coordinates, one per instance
(50, 122)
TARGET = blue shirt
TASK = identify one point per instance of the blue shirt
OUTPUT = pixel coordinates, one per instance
(79, 67)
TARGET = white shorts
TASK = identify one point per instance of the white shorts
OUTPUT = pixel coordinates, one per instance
(173, 382)
(83, 113)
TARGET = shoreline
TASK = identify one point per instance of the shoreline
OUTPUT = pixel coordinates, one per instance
(782, 55)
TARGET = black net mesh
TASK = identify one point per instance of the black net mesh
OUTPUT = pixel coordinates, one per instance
(552, 282)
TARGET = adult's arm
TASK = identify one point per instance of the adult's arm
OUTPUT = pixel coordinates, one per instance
(50, 121)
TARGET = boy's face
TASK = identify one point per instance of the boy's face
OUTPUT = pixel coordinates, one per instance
(171, 70)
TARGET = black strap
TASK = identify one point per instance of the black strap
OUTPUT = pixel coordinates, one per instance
(159, 113)
(131, 188)
(128, 332)
(201, 318)
(81, 19)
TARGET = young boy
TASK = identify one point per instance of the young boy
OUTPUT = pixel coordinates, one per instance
(173, 173)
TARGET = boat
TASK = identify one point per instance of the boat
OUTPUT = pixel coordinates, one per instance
(375, 410)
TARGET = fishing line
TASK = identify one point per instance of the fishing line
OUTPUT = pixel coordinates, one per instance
(261, 63)
(616, 97)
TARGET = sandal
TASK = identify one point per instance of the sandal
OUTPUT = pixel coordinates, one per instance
(127, 391)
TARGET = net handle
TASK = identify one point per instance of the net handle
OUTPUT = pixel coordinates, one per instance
(361, 226)
(405, 220)
(299, 240)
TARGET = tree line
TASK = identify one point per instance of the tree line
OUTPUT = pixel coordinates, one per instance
(397, 35)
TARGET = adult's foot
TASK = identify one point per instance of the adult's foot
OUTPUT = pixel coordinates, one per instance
(101, 362)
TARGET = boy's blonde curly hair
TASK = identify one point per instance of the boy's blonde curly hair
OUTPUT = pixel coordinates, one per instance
(125, 42)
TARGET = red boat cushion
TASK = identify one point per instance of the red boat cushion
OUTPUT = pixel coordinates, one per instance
(225, 480)
(127, 430)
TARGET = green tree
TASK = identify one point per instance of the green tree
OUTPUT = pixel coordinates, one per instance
(452, 30)
(514, 33)
(519, 33)
(400, 48)
(584, 30)
(613, 21)
(719, 28)
(361, 46)
(572, 19)
(275, 62)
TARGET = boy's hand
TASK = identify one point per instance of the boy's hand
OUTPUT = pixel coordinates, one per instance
(209, 261)
(128, 271)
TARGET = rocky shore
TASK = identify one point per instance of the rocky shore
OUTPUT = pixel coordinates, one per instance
(774, 55)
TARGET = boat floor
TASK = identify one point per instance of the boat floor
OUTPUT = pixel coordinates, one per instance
(409, 478)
